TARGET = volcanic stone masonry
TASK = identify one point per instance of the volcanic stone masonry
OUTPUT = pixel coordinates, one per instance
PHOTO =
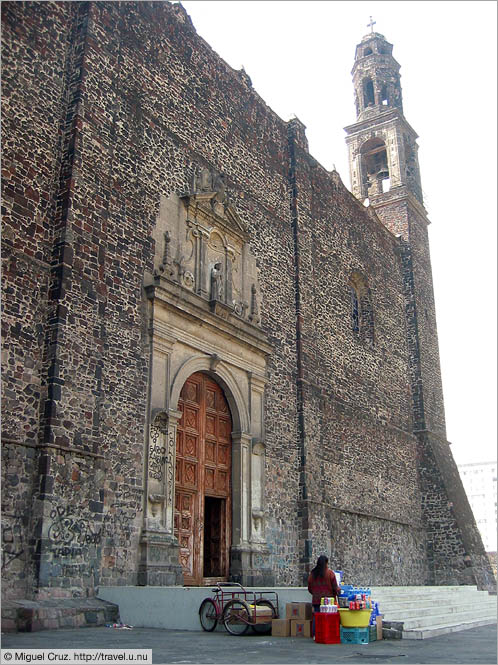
(164, 229)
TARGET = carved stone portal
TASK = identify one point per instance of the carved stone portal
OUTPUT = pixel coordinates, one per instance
(204, 312)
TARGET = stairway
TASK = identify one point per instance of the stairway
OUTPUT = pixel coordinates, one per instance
(419, 612)
(32, 615)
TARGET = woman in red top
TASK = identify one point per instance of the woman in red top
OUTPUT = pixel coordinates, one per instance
(322, 583)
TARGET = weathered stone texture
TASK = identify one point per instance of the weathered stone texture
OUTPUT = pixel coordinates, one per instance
(108, 109)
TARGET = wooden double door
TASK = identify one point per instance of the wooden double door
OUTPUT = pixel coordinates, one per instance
(203, 481)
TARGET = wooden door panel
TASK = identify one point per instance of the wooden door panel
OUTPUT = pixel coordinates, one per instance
(191, 421)
(203, 467)
(210, 398)
(191, 446)
(184, 520)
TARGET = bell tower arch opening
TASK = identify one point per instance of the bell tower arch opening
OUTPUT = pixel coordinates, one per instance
(375, 168)
(368, 92)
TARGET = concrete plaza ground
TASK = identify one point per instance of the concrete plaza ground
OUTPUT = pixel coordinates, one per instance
(477, 645)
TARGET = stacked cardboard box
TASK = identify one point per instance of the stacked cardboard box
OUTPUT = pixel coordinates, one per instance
(280, 628)
(378, 622)
(297, 622)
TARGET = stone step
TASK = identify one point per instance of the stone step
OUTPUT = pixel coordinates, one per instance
(400, 604)
(427, 605)
(422, 589)
(422, 612)
(443, 629)
(428, 594)
(445, 618)
(30, 616)
(425, 593)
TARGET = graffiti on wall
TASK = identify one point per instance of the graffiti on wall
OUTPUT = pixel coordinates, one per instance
(157, 453)
(12, 539)
(68, 528)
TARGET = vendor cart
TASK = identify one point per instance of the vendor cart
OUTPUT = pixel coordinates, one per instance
(238, 609)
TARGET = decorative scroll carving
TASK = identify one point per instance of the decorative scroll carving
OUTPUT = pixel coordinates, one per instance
(240, 308)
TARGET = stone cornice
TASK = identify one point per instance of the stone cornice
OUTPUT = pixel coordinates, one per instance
(186, 303)
(376, 121)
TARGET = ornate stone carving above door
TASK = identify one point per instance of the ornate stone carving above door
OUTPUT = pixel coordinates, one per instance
(202, 245)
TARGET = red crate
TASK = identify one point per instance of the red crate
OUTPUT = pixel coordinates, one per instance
(327, 628)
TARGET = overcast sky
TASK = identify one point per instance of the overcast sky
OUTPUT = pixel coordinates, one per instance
(299, 56)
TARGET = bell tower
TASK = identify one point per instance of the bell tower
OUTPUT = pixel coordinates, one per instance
(382, 145)
(385, 175)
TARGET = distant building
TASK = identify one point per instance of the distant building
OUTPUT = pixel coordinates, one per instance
(479, 481)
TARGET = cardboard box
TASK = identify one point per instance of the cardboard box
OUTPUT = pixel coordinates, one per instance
(301, 611)
(378, 619)
(300, 628)
(281, 627)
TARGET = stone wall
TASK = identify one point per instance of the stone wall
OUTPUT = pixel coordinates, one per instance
(110, 108)
(35, 43)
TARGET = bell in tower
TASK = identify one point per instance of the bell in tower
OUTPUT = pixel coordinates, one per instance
(382, 145)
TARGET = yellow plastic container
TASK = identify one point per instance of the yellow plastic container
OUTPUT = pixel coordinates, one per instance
(354, 618)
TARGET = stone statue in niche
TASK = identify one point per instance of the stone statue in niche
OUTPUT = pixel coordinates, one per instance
(219, 187)
(211, 181)
(217, 282)
(205, 180)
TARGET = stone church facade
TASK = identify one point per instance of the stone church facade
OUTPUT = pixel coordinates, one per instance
(218, 363)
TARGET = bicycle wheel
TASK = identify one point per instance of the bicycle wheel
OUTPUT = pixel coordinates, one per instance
(208, 615)
(264, 628)
(236, 617)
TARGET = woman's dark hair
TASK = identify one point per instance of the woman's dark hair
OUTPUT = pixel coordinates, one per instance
(321, 565)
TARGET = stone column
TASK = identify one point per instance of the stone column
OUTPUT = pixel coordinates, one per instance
(174, 417)
(229, 259)
(241, 470)
(200, 237)
(158, 555)
(257, 492)
(250, 563)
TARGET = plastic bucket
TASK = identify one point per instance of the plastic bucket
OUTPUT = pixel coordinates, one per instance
(354, 618)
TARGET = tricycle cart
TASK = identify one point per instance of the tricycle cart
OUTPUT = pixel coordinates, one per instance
(238, 609)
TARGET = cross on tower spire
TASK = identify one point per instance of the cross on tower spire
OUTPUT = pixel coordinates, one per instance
(371, 25)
